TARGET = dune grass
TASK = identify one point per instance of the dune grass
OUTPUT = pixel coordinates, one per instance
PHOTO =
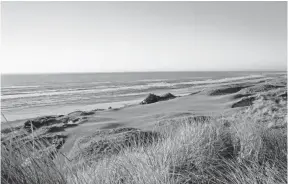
(25, 161)
(238, 149)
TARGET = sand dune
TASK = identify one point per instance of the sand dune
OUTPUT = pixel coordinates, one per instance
(226, 90)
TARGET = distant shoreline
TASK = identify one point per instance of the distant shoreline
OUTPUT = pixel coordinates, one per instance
(64, 73)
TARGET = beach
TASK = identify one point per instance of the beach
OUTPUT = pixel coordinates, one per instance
(29, 96)
(100, 135)
(199, 101)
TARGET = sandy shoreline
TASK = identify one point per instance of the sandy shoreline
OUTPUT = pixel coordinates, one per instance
(54, 109)
(16, 118)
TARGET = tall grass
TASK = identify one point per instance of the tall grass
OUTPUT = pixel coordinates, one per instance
(195, 154)
(235, 150)
(25, 160)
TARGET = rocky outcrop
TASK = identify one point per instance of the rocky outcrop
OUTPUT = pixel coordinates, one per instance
(152, 98)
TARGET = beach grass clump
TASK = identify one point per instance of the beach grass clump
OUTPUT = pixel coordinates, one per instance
(91, 149)
(30, 161)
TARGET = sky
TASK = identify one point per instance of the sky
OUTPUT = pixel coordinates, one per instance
(48, 37)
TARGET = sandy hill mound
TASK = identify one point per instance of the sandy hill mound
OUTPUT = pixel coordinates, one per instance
(225, 89)
(259, 88)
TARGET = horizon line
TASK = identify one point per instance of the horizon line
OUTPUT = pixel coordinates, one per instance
(94, 72)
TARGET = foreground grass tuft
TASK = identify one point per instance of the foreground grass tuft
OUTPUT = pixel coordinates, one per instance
(34, 162)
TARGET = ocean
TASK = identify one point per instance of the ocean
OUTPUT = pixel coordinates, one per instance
(28, 96)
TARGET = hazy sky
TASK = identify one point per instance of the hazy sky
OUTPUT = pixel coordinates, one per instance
(143, 36)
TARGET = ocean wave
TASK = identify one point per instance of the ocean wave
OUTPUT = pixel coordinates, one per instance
(44, 94)
(19, 87)
(124, 89)
(87, 91)
(130, 94)
(213, 81)
(103, 82)
(152, 80)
